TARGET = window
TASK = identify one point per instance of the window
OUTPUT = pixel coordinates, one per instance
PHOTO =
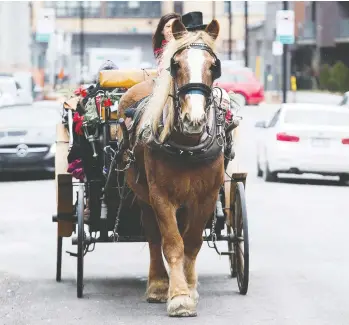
(178, 7)
(238, 7)
(72, 9)
(275, 119)
(240, 78)
(226, 6)
(92, 9)
(134, 9)
(317, 117)
(313, 11)
(67, 8)
(233, 77)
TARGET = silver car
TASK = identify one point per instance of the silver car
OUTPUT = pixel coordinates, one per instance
(27, 137)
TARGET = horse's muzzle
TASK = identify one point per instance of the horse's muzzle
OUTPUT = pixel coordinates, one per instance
(192, 128)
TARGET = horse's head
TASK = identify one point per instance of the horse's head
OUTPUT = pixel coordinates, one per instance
(193, 69)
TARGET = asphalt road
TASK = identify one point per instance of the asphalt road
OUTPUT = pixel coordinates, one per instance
(299, 261)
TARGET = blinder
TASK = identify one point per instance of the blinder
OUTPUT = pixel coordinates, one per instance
(174, 67)
(216, 69)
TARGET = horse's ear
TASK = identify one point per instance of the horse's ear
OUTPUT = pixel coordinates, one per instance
(213, 29)
(178, 29)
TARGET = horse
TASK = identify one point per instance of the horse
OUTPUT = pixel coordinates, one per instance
(179, 164)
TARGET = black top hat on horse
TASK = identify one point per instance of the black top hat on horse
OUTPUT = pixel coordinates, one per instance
(193, 21)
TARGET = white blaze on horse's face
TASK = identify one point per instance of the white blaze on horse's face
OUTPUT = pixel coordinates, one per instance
(195, 116)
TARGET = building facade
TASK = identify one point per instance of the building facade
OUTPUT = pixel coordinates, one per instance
(126, 25)
(321, 36)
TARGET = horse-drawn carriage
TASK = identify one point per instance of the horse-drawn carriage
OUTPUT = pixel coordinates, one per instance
(114, 214)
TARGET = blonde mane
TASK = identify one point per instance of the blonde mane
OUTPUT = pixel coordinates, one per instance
(160, 98)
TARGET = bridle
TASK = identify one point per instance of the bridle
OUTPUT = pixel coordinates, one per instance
(192, 88)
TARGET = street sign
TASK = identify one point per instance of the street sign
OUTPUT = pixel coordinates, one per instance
(278, 48)
(285, 26)
(45, 24)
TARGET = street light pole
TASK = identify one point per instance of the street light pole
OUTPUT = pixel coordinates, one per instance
(82, 41)
(284, 63)
(246, 34)
(230, 25)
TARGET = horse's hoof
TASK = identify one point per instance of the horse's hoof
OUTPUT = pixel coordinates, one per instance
(194, 295)
(156, 299)
(157, 292)
(181, 306)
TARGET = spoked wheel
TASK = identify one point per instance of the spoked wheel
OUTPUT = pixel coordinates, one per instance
(239, 261)
(81, 240)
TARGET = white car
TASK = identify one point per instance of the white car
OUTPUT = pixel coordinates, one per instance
(11, 92)
(304, 138)
(345, 99)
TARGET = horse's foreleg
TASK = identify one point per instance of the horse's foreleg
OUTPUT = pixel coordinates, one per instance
(192, 237)
(157, 289)
(180, 303)
(192, 246)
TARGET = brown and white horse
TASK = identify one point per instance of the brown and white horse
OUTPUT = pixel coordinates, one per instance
(178, 196)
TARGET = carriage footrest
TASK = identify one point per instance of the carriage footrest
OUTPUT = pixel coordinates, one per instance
(64, 217)
(122, 239)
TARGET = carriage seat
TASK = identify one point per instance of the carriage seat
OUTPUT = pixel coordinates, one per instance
(124, 78)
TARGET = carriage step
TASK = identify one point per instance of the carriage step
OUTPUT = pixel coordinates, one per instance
(72, 254)
(227, 253)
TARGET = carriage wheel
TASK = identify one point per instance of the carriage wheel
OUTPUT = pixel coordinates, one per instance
(240, 266)
(81, 244)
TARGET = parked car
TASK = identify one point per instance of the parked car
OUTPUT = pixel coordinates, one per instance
(243, 82)
(304, 138)
(11, 92)
(27, 137)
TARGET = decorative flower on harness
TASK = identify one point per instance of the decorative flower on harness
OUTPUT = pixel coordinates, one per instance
(81, 92)
(78, 120)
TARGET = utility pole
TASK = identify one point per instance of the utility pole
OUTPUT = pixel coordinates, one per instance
(284, 63)
(230, 36)
(246, 34)
(213, 10)
(82, 41)
(318, 31)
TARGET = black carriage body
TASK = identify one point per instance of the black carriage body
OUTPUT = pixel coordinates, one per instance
(95, 179)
